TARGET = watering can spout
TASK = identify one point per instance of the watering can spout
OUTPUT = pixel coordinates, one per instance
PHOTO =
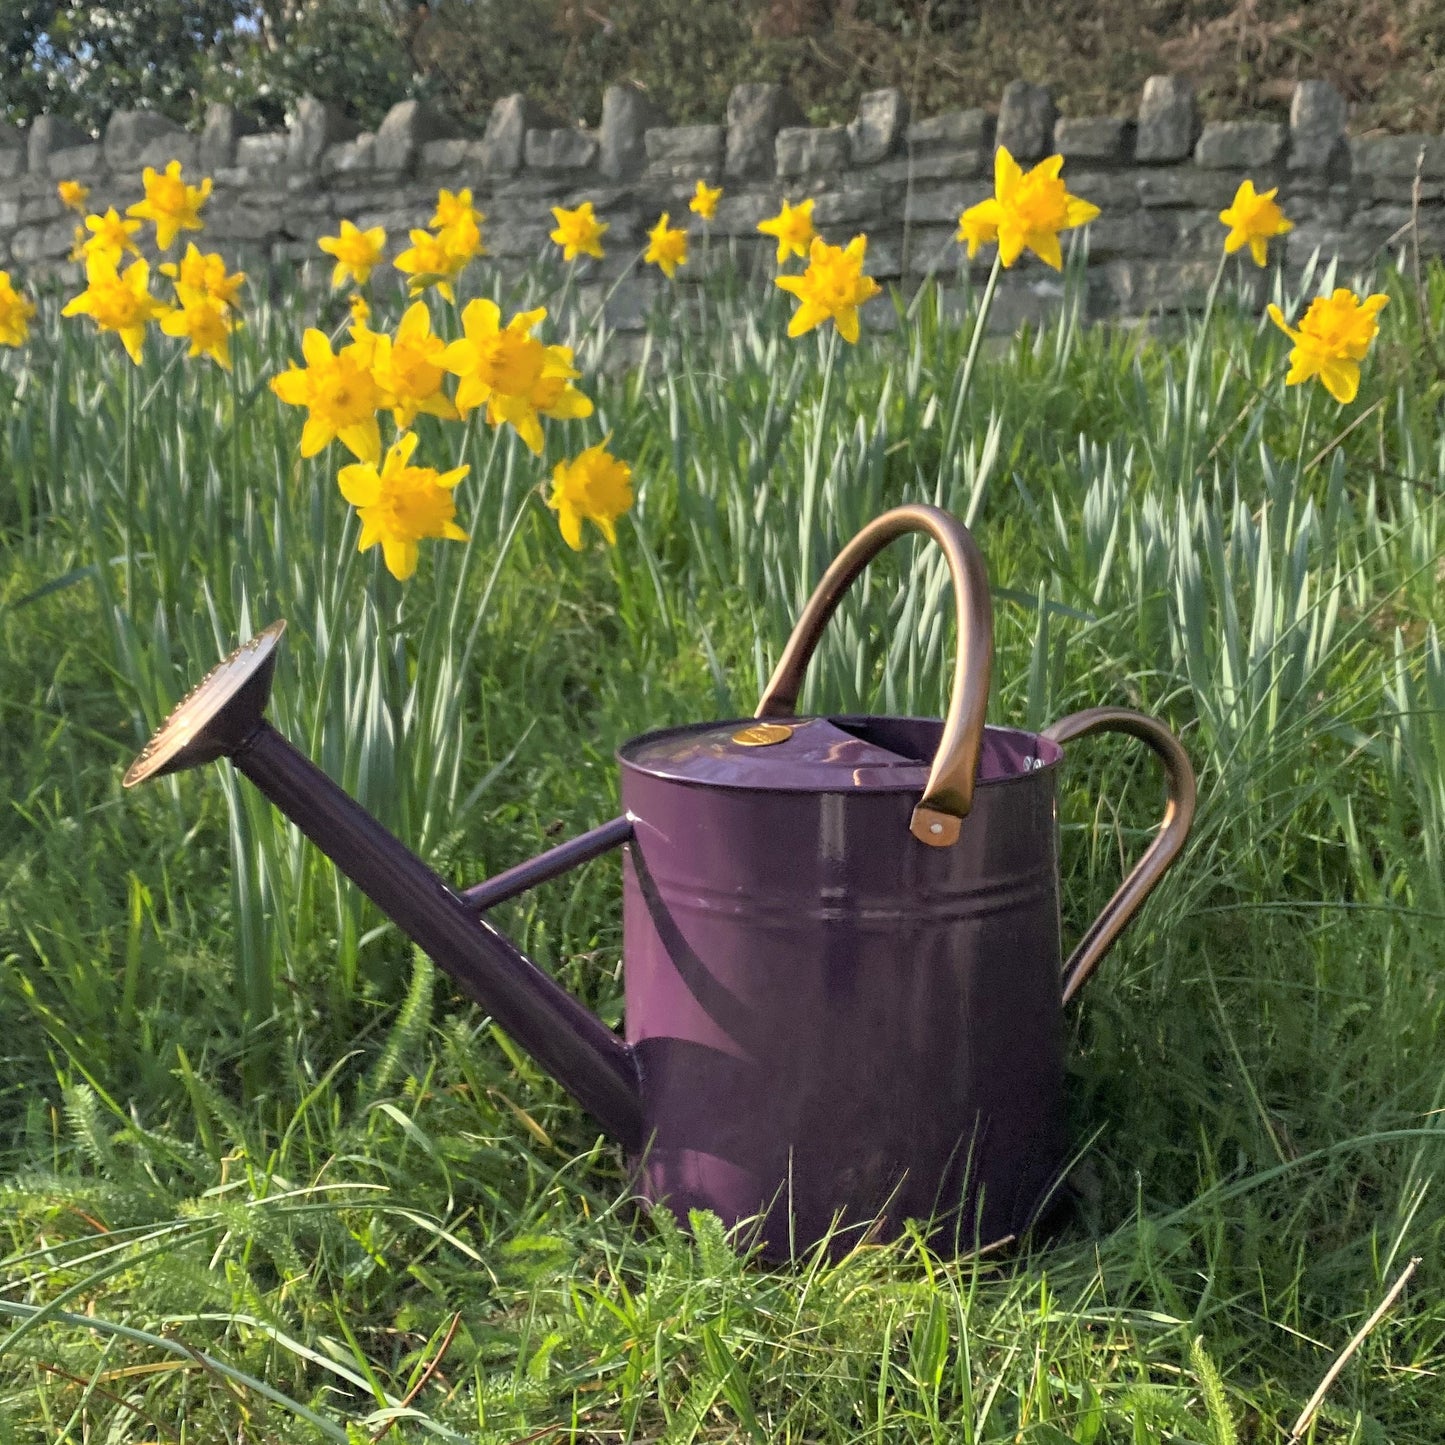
(222, 717)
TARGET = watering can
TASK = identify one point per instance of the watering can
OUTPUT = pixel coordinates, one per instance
(841, 937)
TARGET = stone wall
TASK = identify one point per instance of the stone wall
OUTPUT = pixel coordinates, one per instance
(1160, 178)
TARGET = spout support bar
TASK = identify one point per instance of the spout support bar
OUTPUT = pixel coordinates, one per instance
(590, 1061)
(555, 861)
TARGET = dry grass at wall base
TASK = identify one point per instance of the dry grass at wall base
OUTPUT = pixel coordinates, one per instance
(260, 1175)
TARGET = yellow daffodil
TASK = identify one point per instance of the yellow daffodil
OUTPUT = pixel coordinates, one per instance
(202, 320)
(579, 232)
(431, 262)
(704, 200)
(400, 505)
(170, 203)
(357, 253)
(110, 238)
(792, 228)
(666, 247)
(513, 374)
(340, 394)
(199, 276)
(833, 286)
(1025, 212)
(73, 195)
(1332, 339)
(594, 486)
(360, 308)
(458, 223)
(976, 227)
(409, 368)
(16, 309)
(1253, 221)
(119, 302)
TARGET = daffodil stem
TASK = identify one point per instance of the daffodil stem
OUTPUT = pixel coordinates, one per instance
(980, 325)
(611, 292)
(126, 463)
(1304, 431)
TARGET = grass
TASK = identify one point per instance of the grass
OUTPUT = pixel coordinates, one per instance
(262, 1174)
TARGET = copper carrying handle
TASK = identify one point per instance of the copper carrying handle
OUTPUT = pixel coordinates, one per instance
(949, 793)
(1178, 815)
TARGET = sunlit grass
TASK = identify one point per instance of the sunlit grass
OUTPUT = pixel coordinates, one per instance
(256, 1163)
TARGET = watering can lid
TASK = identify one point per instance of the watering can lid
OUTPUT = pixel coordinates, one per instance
(811, 754)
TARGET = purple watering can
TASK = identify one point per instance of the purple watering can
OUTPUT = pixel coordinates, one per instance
(844, 1000)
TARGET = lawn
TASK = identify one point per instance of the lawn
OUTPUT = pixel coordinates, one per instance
(264, 1176)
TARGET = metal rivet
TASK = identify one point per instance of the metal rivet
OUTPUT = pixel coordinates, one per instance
(935, 827)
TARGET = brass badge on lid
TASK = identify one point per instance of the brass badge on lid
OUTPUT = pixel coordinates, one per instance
(763, 735)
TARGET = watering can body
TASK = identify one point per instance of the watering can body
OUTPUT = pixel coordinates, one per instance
(836, 1025)
(842, 962)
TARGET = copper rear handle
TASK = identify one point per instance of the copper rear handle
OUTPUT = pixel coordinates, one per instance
(949, 794)
(1178, 815)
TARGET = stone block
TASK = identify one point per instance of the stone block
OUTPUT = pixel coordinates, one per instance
(1109, 190)
(535, 185)
(1351, 245)
(938, 204)
(879, 126)
(953, 131)
(1026, 120)
(49, 241)
(1400, 157)
(12, 150)
(755, 115)
(1025, 299)
(1317, 115)
(223, 129)
(349, 156)
(184, 148)
(253, 216)
(1213, 190)
(1146, 233)
(408, 126)
(505, 138)
(810, 150)
(916, 169)
(931, 250)
(519, 241)
(695, 145)
(131, 136)
(1137, 287)
(50, 133)
(854, 205)
(263, 156)
(567, 148)
(627, 115)
(1168, 120)
(316, 125)
(1373, 189)
(448, 155)
(885, 259)
(1101, 138)
(34, 209)
(1240, 145)
(738, 214)
(77, 163)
